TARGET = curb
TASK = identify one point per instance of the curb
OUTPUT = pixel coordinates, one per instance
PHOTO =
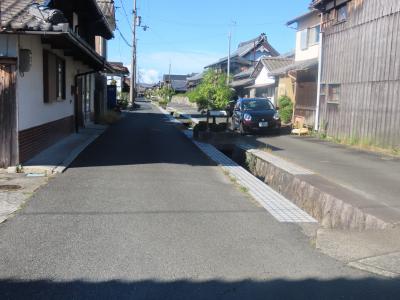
(374, 270)
(73, 155)
(60, 167)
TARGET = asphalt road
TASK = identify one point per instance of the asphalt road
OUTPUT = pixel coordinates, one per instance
(143, 214)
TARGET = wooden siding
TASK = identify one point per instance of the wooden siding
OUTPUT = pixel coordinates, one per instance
(8, 115)
(363, 56)
(306, 98)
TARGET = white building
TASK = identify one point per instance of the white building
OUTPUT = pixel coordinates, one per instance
(50, 71)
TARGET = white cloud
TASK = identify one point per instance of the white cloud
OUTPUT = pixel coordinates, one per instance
(155, 64)
(149, 76)
(181, 62)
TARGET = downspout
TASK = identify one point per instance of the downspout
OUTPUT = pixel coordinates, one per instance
(317, 113)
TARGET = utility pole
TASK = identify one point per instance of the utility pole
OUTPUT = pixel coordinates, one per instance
(229, 52)
(133, 65)
(229, 56)
(169, 76)
(321, 37)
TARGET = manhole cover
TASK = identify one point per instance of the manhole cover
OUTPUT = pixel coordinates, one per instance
(9, 187)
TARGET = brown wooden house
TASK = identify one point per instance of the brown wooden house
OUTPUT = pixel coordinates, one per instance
(361, 70)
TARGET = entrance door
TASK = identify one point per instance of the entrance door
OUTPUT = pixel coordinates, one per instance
(8, 114)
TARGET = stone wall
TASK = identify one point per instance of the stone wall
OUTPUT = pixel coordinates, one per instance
(310, 193)
(182, 100)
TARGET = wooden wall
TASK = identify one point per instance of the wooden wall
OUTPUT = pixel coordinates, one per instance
(363, 55)
(8, 114)
(306, 98)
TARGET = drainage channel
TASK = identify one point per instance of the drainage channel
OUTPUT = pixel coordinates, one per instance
(277, 205)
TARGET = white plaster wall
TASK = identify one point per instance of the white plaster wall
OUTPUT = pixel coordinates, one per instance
(32, 110)
(310, 52)
(264, 77)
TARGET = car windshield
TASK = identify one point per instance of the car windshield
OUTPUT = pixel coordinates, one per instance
(257, 104)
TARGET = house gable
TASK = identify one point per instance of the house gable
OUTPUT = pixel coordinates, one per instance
(249, 51)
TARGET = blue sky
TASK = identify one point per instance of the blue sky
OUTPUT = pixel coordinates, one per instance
(191, 34)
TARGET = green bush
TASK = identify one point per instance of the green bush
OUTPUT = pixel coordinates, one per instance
(285, 109)
(123, 100)
(212, 93)
(166, 93)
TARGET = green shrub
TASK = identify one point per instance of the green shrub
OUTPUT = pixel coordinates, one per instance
(285, 109)
(166, 93)
(212, 93)
(123, 100)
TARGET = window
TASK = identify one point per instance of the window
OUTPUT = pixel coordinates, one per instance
(313, 35)
(309, 37)
(257, 104)
(304, 39)
(60, 87)
(53, 77)
(334, 93)
(342, 13)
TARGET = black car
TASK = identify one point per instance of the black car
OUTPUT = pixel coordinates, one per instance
(255, 115)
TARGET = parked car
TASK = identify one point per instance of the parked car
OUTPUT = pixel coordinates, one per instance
(255, 115)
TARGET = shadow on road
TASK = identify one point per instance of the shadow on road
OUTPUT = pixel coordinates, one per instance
(214, 289)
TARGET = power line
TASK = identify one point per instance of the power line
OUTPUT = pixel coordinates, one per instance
(126, 14)
(123, 37)
(189, 24)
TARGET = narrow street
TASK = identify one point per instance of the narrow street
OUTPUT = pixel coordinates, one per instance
(144, 214)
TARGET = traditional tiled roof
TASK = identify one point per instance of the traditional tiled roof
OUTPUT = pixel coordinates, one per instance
(27, 15)
(245, 74)
(40, 15)
(248, 46)
(171, 77)
(296, 66)
(196, 77)
(273, 63)
(119, 68)
(242, 82)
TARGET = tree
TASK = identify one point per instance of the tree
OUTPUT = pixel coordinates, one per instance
(213, 93)
(166, 93)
